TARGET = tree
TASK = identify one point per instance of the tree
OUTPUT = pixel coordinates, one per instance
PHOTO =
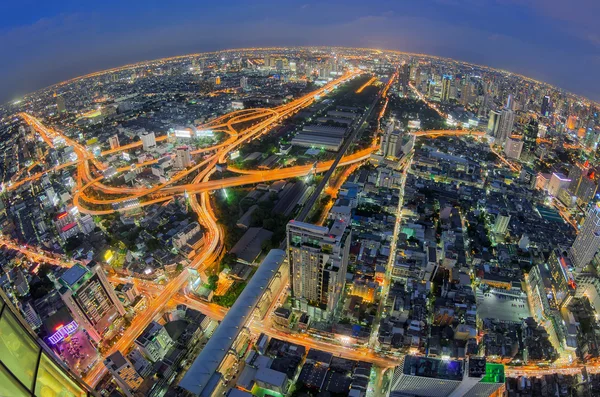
(212, 282)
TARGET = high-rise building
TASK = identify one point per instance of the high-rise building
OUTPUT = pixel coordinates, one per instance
(587, 243)
(390, 143)
(183, 157)
(318, 258)
(530, 136)
(244, 82)
(91, 298)
(404, 77)
(154, 342)
(586, 190)
(124, 373)
(513, 148)
(60, 104)
(446, 84)
(561, 278)
(506, 123)
(557, 181)
(492, 128)
(27, 366)
(113, 141)
(501, 224)
(418, 376)
(577, 172)
(148, 140)
(546, 106)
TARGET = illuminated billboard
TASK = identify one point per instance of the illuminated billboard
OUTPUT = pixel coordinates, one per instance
(62, 332)
(183, 133)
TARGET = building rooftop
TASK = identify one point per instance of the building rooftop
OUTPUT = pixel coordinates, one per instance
(73, 275)
(208, 361)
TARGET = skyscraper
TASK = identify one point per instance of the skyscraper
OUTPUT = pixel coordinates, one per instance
(28, 367)
(183, 157)
(513, 147)
(492, 128)
(113, 141)
(154, 342)
(446, 84)
(530, 136)
(505, 125)
(91, 298)
(404, 77)
(244, 82)
(124, 373)
(148, 140)
(318, 259)
(60, 104)
(587, 243)
(546, 105)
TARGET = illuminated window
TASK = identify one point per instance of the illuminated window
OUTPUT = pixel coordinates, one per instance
(9, 385)
(52, 381)
(18, 351)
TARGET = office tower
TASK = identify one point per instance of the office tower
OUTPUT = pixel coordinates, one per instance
(513, 148)
(124, 373)
(530, 136)
(113, 141)
(27, 366)
(492, 128)
(244, 82)
(510, 102)
(418, 376)
(141, 365)
(557, 181)
(217, 80)
(154, 342)
(60, 104)
(318, 258)
(390, 143)
(446, 83)
(587, 243)
(404, 77)
(586, 190)
(183, 157)
(501, 224)
(90, 298)
(505, 125)
(576, 174)
(148, 140)
(561, 278)
(546, 106)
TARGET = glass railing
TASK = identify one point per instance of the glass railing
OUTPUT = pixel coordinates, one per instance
(27, 365)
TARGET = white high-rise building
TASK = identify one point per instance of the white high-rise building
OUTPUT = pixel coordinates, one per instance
(154, 342)
(501, 224)
(506, 123)
(148, 140)
(244, 82)
(318, 258)
(492, 127)
(124, 373)
(513, 148)
(587, 243)
(91, 298)
(390, 143)
(557, 181)
(113, 142)
(183, 157)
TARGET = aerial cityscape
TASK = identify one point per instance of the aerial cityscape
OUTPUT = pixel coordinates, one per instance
(300, 221)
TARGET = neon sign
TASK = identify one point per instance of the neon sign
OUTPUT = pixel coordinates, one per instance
(62, 332)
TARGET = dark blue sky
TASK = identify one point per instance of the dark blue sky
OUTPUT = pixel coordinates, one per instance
(44, 42)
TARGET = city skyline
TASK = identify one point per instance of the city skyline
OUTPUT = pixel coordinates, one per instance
(293, 221)
(548, 41)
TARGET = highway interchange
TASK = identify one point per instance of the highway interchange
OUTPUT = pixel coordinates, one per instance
(240, 127)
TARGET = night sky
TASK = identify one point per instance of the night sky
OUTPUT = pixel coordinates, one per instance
(44, 42)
